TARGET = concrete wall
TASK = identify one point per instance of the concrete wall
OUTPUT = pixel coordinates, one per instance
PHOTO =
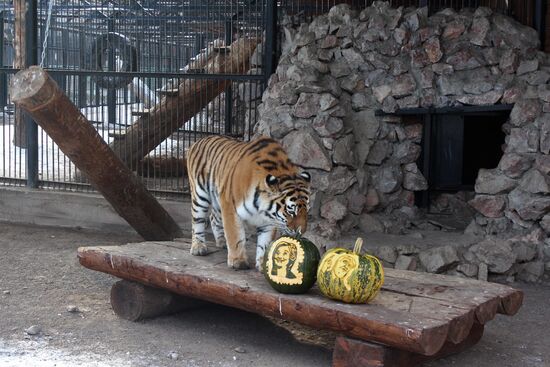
(66, 209)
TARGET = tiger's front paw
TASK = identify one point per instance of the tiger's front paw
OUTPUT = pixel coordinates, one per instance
(238, 264)
(199, 249)
(220, 243)
(259, 264)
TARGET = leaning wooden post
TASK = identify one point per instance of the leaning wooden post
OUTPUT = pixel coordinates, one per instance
(39, 95)
(20, 62)
(181, 104)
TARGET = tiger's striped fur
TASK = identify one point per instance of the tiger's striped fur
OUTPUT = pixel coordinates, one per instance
(253, 182)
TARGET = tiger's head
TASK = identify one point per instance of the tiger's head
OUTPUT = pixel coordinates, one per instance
(289, 200)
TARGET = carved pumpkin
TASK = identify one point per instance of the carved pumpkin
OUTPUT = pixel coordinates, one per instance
(347, 276)
(290, 264)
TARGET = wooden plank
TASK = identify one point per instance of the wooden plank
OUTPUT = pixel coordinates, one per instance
(460, 320)
(162, 166)
(172, 112)
(356, 353)
(459, 291)
(34, 90)
(173, 268)
(134, 301)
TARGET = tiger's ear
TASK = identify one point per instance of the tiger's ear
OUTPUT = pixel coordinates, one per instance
(306, 176)
(271, 180)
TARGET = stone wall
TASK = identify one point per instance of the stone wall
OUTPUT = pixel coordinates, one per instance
(342, 67)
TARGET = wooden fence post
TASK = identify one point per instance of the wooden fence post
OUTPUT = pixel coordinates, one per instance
(38, 94)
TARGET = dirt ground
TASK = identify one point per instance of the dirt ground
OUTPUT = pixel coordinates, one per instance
(40, 278)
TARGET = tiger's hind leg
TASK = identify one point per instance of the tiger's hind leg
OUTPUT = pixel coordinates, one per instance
(266, 235)
(200, 206)
(217, 228)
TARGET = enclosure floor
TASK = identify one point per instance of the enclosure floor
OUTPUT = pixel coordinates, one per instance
(43, 277)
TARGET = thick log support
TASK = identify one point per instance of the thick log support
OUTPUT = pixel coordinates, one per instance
(190, 97)
(134, 301)
(162, 166)
(20, 62)
(34, 91)
(356, 353)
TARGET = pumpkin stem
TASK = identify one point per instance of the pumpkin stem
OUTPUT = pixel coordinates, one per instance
(358, 244)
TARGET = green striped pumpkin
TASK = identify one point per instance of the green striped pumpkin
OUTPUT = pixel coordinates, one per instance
(290, 264)
(348, 276)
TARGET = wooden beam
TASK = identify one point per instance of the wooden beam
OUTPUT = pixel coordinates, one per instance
(162, 166)
(192, 96)
(134, 301)
(19, 62)
(355, 353)
(38, 94)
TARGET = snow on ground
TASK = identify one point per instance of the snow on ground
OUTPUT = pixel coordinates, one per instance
(54, 165)
(39, 354)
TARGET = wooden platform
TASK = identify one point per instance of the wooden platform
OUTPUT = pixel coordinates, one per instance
(414, 316)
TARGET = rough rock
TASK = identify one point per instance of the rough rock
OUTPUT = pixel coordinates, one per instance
(386, 253)
(542, 163)
(479, 30)
(524, 140)
(333, 210)
(306, 151)
(528, 206)
(365, 124)
(509, 62)
(545, 223)
(489, 181)
(387, 179)
(403, 85)
(453, 30)
(369, 224)
(414, 181)
(470, 270)
(495, 253)
(514, 165)
(545, 134)
(532, 272)
(379, 152)
(489, 205)
(439, 259)
(525, 251)
(535, 182)
(342, 150)
(525, 111)
(340, 179)
(404, 262)
(489, 98)
(307, 105)
(327, 126)
(433, 49)
(34, 330)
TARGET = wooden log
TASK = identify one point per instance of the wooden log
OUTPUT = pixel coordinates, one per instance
(19, 62)
(356, 353)
(134, 301)
(162, 166)
(461, 292)
(33, 90)
(172, 112)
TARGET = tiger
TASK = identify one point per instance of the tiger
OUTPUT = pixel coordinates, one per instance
(235, 182)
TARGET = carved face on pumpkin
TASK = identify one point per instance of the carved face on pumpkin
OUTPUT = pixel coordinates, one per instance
(284, 259)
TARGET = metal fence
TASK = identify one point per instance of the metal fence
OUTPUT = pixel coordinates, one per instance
(115, 59)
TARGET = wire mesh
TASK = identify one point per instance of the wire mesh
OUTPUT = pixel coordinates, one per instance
(118, 59)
